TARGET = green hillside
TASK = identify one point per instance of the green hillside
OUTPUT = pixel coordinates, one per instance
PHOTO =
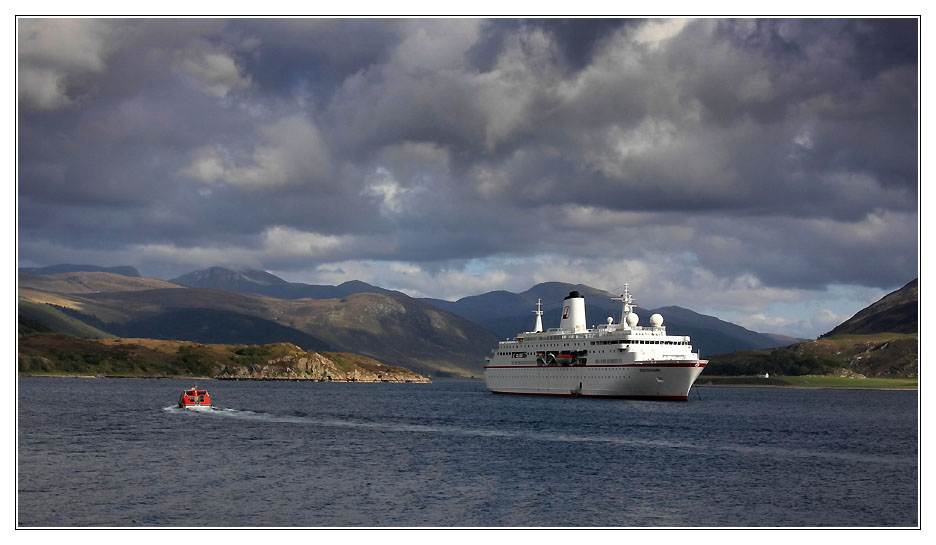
(53, 319)
(53, 354)
(883, 355)
(896, 312)
(880, 341)
(388, 327)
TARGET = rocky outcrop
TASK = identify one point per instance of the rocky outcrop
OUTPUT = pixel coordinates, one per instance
(298, 364)
(876, 356)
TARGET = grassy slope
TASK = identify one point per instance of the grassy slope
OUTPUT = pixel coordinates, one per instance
(394, 329)
(63, 355)
(60, 322)
(348, 362)
(882, 355)
(897, 311)
(90, 282)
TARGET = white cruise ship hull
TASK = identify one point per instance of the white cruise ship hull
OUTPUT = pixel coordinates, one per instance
(640, 380)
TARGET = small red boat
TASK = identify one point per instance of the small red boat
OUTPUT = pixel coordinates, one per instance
(194, 398)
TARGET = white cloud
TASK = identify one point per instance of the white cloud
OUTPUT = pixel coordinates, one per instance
(575, 216)
(413, 279)
(42, 89)
(801, 326)
(55, 56)
(280, 242)
(527, 69)
(216, 72)
(275, 243)
(623, 145)
(657, 153)
(206, 165)
(825, 320)
(439, 45)
(657, 31)
(388, 192)
(293, 152)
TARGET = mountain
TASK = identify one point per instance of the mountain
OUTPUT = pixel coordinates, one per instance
(427, 335)
(506, 314)
(220, 278)
(896, 312)
(389, 327)
(880, 341)
(881, 355)
(88, 282)
(58, 269)
(53, 319)
(264, 283)
(205, 325)
(783, 340)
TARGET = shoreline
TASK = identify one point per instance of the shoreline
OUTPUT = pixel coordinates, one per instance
(178, 377)
(276, 379)
(790, 386)
(56, 375)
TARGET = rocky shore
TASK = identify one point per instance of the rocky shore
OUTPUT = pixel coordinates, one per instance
(61, 355)
(323, 367)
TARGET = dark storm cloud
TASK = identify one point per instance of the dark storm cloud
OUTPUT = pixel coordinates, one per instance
(575, 38)
(780, 149)
(313, 56)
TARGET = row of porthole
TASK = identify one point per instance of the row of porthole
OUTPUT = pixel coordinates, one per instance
(575, 377)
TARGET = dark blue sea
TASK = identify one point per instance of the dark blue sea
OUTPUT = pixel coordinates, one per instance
(117, 453)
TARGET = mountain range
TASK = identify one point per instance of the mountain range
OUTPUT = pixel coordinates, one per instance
(221, 305)
(65, 268)
(506, 314)
(880, 341)
(264, 283)
(390, 327)
(896, 312)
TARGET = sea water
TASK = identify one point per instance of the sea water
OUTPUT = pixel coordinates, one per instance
(117, 452)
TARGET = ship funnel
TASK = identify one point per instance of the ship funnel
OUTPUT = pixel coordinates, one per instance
(539, 316)
(573, 313)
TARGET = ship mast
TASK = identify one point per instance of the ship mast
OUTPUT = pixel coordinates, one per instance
(539, 316)
(628, 301)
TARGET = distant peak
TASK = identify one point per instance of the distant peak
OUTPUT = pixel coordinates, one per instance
(218, 276)
(124, 270)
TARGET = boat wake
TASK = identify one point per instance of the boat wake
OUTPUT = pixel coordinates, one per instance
(630, 442)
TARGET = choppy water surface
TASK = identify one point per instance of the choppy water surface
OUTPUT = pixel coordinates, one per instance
(95, 452)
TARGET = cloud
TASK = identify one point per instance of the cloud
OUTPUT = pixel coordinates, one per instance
(437, 46)
(59, 59)
(387, 191)
(736, 165)
(216, 72)
(654, 32)
(292, 152)
(520, 82)
(282, 242)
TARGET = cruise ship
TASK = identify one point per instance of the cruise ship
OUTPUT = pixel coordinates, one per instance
(611, 360)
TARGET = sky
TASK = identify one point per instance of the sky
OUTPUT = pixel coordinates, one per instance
(764, 171)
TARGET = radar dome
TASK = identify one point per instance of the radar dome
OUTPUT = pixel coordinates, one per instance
(632, 319)
(656, 320)
(610, 320)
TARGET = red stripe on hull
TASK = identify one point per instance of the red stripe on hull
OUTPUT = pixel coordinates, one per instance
(644, 365)
(647, 397)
